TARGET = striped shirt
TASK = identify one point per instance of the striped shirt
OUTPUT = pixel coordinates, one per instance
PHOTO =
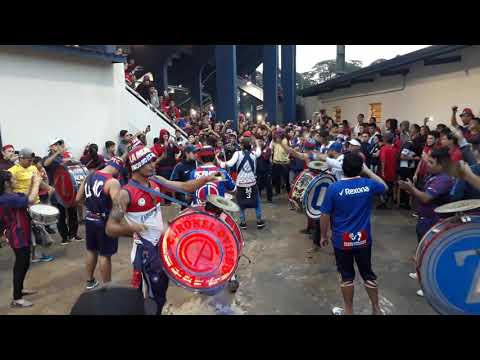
(14, 219)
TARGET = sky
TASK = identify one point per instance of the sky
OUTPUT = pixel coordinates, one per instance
(309, 55)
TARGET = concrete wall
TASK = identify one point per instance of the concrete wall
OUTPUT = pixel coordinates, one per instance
(429, 91)
(45, 95)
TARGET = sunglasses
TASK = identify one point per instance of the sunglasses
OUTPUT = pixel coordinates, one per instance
(59, 142)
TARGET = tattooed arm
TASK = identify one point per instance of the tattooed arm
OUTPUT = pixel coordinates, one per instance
(116, 223)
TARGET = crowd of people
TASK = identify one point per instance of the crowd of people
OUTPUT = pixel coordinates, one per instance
(411, 166)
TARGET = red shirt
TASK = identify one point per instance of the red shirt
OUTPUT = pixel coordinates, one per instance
(14, 220)
(422, 171)
(388, 158)
(456, 154)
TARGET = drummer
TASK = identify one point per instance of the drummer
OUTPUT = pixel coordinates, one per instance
(99, 188)
(206, 155)
(136, 212)
(434, 193)
(57, 156)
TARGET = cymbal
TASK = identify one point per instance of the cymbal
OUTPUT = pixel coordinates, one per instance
(317, 165)
(458, 206)
(223, 203)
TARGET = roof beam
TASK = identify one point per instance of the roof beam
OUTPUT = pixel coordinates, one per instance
(394, 72)
(359, 81)
(443, 60)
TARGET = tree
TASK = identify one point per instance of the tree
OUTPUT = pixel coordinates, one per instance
(378, 61)
(325, 70)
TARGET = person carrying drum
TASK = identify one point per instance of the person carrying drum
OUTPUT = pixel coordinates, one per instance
(136, 213)
(435, 192)
(15, 226)
(247, 189)
(182, 171)
(347, 208)
(56, 157)
(206, 155)
(98, 190)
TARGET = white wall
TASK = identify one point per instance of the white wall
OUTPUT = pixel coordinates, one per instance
(45, 95)
(429, 91)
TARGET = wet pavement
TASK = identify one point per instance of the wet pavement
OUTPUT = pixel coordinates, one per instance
(283, 278)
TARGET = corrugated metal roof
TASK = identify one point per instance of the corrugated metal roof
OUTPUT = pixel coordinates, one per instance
(388, 65)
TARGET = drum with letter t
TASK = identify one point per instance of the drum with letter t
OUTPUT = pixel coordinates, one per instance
(448, 262)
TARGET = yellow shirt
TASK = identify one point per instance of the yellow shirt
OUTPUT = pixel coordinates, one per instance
(23, 178)
(279, 153)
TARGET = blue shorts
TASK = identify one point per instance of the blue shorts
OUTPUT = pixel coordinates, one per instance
(98, 241)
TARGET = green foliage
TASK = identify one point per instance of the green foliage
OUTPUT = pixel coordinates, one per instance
(324, 71)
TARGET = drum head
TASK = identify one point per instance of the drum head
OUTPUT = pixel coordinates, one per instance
(448, 265)
(298, 188)
(458, 206)
(67, 180)
(317, 166)
(43, 209)
(223, 203)
(315, 193)
(199, 251)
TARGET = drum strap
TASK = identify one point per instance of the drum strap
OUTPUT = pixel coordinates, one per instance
(157, 193)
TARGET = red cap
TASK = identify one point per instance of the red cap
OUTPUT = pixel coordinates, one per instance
(247, 134)
(8, 146)
(205, 151)
(467, 111)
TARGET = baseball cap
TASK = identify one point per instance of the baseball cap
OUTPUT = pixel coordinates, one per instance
(54, 141)
(189, 149)
(247, 134)
(140, 156)
(467, 111)
(205, 151)
(26, 153)
(8, 146)
(336, 146)
(354, 142)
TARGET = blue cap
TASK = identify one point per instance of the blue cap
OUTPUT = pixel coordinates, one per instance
(189, 149)
(336, 146)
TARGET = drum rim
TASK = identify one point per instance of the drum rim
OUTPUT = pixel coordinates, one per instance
(309, 188)
(458, 211)
(441, 303)
(185, 286)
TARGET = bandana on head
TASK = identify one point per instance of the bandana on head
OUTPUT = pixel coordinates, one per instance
(116, 163)
(205, 151)
(139, 157)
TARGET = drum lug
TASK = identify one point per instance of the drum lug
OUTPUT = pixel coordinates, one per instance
(465, 219)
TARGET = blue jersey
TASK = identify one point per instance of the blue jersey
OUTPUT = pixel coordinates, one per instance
(349, 203)
(211, 188)
(97, 202)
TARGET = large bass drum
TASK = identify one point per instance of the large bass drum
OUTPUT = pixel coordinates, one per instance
(448, 265)
(315, 194)
(67, 180)
(200, 249)
(295, 197)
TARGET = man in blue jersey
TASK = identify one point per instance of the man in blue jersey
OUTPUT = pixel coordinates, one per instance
(99, 189)
(347, 207)
(206, 155)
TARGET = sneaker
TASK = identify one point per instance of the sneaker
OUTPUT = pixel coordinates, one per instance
(22, 303)
(260, 224)
(76, 238)
(243, 225)
(338, 311)
(46, 258)
(26, 292)
(413, 276)
(415, 215)
(306, 231)
(65, 242)
(91, 284)
(420, 293)
(35, 260)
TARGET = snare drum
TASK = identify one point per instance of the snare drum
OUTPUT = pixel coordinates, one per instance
(295, 197)
(44, 214)
(67, 180)
(448, 265)
(200, 249)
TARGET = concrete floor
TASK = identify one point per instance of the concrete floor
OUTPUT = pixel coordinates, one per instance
(282, 278)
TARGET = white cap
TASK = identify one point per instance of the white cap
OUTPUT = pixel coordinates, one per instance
(54, 141)
(354, 142)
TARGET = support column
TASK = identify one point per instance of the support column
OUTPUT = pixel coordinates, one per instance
(196, 89)
(161, 78)
(254, 101)
(270, 82)
(226, 79)
(288, 83)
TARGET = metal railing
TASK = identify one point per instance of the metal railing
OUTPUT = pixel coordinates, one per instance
(156, 111)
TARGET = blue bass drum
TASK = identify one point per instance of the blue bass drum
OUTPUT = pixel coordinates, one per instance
(315, 194)
(448, 265)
